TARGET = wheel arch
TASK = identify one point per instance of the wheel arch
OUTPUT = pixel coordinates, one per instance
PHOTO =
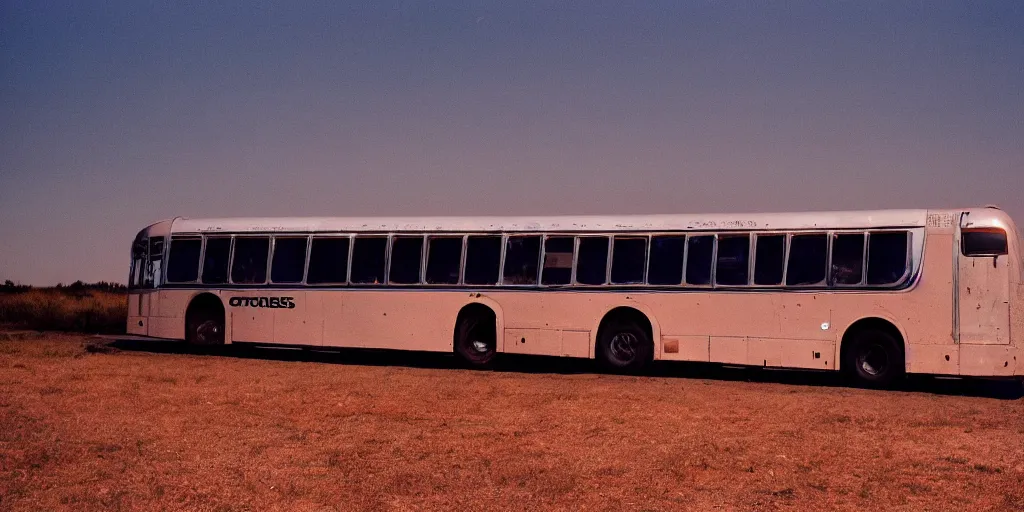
(634, 311)
(480, 303)
(880, 322)
(207, 301)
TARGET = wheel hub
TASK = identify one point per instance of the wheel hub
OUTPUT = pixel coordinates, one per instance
(624, 346)
(873, 360)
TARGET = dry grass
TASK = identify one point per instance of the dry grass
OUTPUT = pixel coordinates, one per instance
(52, 309)
(135, 429)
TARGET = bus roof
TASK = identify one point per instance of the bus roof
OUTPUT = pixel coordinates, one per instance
(615, 223)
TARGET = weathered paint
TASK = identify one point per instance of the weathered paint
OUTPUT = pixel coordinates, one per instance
(800, 329)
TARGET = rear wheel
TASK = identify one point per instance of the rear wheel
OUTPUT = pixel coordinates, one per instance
(204, 327)
(873, 358)
(624, 347)
(475, 340)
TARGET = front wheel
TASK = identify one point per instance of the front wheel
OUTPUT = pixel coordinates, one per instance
(475, 341)
(873, 359)
(204, 328)
(624, 347)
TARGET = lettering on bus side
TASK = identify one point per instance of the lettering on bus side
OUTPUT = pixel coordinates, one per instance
(262, 302)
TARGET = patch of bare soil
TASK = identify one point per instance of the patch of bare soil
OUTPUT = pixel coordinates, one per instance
(88, 426)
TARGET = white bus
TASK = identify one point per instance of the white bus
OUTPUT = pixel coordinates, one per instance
(875, 294)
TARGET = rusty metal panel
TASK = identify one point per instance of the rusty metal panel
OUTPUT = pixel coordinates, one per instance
(686, 348)
(764, 352)
(303, 324)
(728, 349)
(576, 343)
(984, 300)
(808, 354)
(533, 341)
(253, 324)
(935, 359)
(990, 360)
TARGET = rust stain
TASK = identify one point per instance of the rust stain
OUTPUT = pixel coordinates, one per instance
(671, 346)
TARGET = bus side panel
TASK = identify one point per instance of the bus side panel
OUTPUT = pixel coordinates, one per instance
(169, 319)
(301, 324)
(252, 323)
(923, 313)
(1017, 327)
(393, 319)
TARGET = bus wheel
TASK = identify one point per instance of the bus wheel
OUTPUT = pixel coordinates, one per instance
(204, 327)
(872, 358)
(624, 347)
(475, 340)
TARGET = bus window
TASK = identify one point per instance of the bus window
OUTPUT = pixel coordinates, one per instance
(847, 259)
(733, 260)
(887, 257)
(154, 271)
(183, 262)
(249, 264)
(521, 255)
(483, 260)
(700, 250)
(629, 255)
(328, 260)
(557, 260)
(983, 242)
(444, 257)
(807, 260)
(592, 261)
(368, 258)
(769, 260)
(140, 250)
(289, 260)
(666, 264)
(406, 259)
(215, 263)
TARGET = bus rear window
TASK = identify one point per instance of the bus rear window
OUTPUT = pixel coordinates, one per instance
(887, 257)
(289, 260)
(483, 260)
(521, 257)
(984, 243)
(807, 260)
(183, 265)
(215, 263)
(328, 260)
(368, 257)
(592, 260)
(249, 264)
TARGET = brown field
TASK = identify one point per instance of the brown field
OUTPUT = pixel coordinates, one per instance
(64, 309)
(138, 426)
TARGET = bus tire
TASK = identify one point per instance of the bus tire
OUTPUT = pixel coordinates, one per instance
(475, 339)
(624, 347)
(204, 326)
(872, 358)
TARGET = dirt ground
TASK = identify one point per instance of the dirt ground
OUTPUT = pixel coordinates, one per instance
(138, 426)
